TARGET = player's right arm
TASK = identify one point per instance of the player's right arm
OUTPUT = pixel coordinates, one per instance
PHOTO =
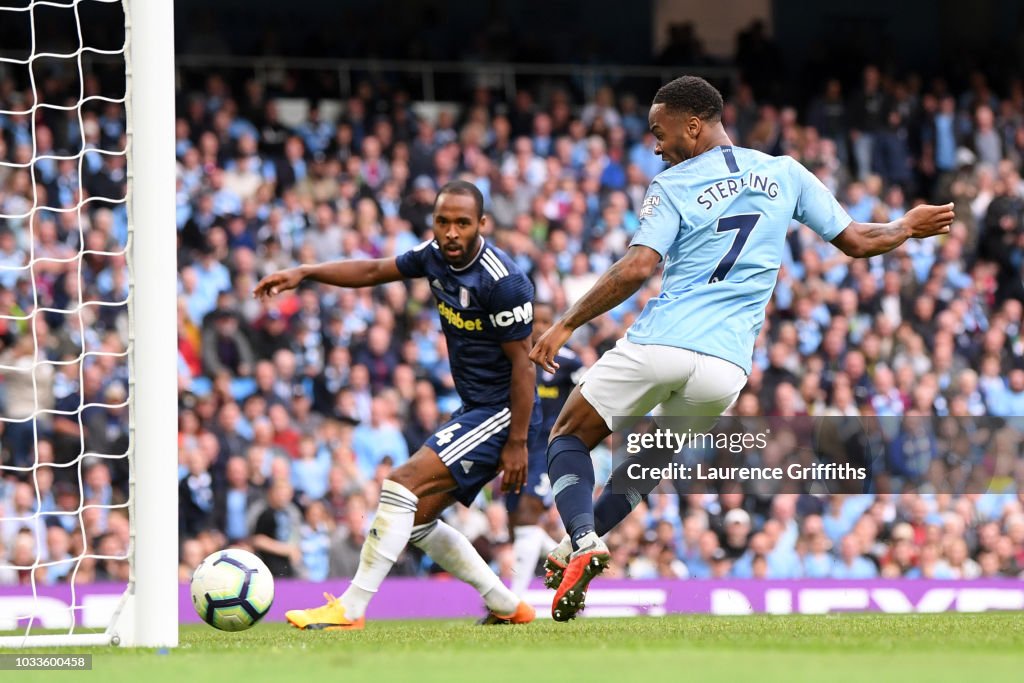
(359, 273)
(659, 225)
(819, 210)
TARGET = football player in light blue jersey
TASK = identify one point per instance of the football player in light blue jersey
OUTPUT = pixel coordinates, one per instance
(716, 220)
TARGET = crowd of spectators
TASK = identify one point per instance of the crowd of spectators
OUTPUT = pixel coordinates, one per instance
(292, 412)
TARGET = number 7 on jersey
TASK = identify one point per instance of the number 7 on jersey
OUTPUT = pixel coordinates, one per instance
(742, 224)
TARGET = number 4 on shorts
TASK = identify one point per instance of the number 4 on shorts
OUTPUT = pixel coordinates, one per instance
(447, 434)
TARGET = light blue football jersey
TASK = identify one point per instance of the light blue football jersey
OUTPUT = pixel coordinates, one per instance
(719, 221)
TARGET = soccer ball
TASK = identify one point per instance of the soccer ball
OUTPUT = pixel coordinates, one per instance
(232, 589)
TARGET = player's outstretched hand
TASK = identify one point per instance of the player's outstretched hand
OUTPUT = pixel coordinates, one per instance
(278, 282)
(548, 346)
(513, 461)
(928, 220)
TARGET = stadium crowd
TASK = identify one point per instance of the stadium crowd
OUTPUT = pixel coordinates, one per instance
(292, 412)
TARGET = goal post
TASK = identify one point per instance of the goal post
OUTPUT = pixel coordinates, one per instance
(146, 615)
(152, 605)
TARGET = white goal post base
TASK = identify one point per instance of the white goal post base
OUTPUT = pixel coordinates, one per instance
(122, 630)
(58, 640)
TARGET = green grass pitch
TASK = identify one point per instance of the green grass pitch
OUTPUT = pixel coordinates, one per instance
(787, 649)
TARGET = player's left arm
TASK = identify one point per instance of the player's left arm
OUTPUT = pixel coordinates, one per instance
(863, 240)
(819, 210)
(514, 455)
(510, 302)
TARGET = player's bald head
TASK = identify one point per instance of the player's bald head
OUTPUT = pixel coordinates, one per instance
(465, 188)
(693, 96)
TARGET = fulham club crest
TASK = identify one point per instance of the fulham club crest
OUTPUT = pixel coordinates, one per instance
(463, 297)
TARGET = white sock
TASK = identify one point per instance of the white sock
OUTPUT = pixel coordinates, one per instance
(456, 555)
(387, 538)
(530, 545)
(547, 544)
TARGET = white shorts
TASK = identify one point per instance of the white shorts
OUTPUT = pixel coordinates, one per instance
(633, 380)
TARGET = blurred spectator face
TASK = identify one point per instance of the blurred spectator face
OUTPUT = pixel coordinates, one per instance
(543, 317)
(97, 476)
(813, 525)
(294, 150)
(842, 396)
(279, 419)
(355, 514)
(708, 544)
(380, 411)
(24, 497)
(985, 118)
(849, 548)
(580, 264)
(316, 514)
(284, 364)
(957, 552)
(730, 499)
(263, 432)
(228, 416)
(192, 553)
(457, 224)
(694, 525)
(44, 479)
(989, 563)
(760, 544)
(336, 480)
(237, 473)
(405, 380)
(1017, 381)
(378, 340)
(23, 553)
(721, 565)
(784, 507)
(747, 405)
(777, 355)
(1015, 529)
(427, 413)
(280, 494)
(265, 375)
(665, 533)
(785, 399)
(736, 532)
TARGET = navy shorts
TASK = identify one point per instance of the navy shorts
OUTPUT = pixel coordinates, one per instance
(470, 446)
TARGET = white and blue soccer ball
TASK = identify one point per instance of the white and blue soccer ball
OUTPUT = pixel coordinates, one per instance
(232, 589)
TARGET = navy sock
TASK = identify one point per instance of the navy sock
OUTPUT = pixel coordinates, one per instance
(611, 508)
(622, 493)
(572, 481)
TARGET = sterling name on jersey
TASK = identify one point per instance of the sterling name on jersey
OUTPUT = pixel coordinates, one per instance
(719, 221)
(481, 305)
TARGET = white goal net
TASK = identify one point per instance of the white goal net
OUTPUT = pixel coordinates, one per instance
(77, 320)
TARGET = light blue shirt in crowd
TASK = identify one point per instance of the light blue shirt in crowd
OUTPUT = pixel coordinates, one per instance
(371, 444)
(861, 568)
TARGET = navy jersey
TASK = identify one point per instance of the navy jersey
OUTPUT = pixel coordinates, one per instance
(554, 388)
(483, 304)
